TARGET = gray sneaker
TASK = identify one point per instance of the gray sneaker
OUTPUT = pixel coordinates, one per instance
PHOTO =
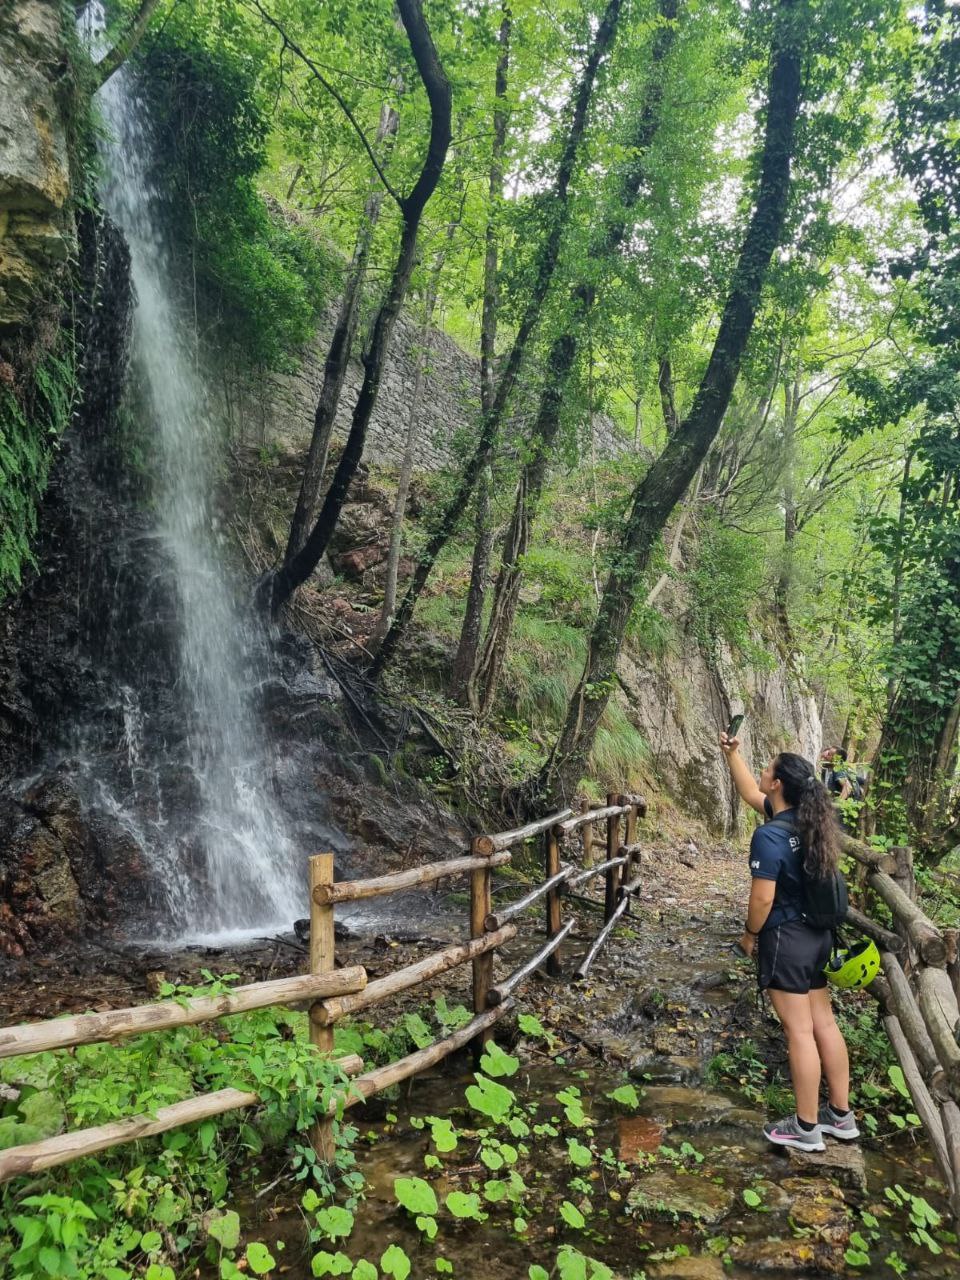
(787, 1133)
(845, 1129)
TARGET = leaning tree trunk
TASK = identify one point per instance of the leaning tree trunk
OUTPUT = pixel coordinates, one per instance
(338, 358)
(547, 257)
(278, 589)
(604, 245)
(791, 407)
(663, 485)
(466, 656)
(409, 452)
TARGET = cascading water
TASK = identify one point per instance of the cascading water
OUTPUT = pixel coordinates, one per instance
(249, 877)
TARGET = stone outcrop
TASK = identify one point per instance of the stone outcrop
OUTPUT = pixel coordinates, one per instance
(680, 701)
(36, 223)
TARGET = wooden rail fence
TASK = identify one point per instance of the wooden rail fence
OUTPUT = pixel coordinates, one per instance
(333, 994)
(918, 996)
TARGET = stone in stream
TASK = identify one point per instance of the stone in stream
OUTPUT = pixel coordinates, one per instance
(842, 1161)
(702, 1267)
(670, 1192)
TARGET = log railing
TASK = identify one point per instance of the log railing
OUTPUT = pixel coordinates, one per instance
(332, 994)
(918, 995)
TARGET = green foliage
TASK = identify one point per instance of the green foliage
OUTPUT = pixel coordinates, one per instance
(726, 584)
(124, 1205)
(31, 421)
(260, 280)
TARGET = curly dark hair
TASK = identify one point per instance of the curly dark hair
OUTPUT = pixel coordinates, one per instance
(814, 815)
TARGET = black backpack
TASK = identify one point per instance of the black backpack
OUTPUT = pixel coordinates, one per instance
(825, 901)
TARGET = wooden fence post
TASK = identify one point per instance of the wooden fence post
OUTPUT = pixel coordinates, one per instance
(586, 836)
(630, 833)
(612, 884)
(481, 905)
(551, 867)
(321, 961)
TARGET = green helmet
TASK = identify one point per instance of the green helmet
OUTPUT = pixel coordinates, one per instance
(855, 966)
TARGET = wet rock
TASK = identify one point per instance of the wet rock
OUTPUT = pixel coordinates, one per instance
(689, 1106)
(842, 1161)
(816, 1204)
(639, 1135)
(354, 564)
(791, 1257)
(672, 1192)
(704, 1267)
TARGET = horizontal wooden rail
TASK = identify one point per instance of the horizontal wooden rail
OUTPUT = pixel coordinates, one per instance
(327, 1012)
(593, 815)
(923, 933)
(583, 876)
(507, 839)
(89, 1028)
(497, 919)
(397, 881)
(866, 856)
(372, 1082)
(635, 802)
(33, 1157)
(870, 929)
(584, 966)
(499, 994)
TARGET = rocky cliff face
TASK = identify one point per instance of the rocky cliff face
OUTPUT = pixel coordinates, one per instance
(36, 225)
(681, 701)
(279, 409)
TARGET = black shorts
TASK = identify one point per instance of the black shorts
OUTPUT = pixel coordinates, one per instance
(791, 958)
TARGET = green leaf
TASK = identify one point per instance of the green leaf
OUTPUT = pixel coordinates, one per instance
(572, 1215)
(427, 1225)
(442, 1133)
(364, 1270)
(206, 1134)
(531, 1026)
(896, 1079)
(626, 1095)
(444, 1266)
(579, 1155)
(395, 1263)
(330, 1264)
(751, 1198)
(489, 1098)
(494, 1190)
(415, 1195)
(224, 1228)
(335, 1221)
(536, 1272)
(856, 1258)
(151, 1241)
(492, 1159)
(259, 1258)
(465, 1205)
(158, 1271)
(495, 1062)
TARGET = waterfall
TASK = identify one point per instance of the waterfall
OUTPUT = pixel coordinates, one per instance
(250, 877)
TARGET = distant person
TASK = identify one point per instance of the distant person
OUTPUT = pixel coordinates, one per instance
(800, 834)
(834, 774)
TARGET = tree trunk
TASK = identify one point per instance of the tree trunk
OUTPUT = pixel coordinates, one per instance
(461, 686)
(559, 366)
(121, 51)
(409, 450)
(278, 590)
(450, 517)
(791, 406)
(668, 404)
(461, 689)
(661, 488)
(338, 358)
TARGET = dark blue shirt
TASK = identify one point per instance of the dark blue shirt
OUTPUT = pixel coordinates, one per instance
(775, 854)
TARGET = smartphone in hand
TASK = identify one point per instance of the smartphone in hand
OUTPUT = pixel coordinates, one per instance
(733, 728)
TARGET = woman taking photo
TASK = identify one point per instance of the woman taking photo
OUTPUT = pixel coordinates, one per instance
(800, 834)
